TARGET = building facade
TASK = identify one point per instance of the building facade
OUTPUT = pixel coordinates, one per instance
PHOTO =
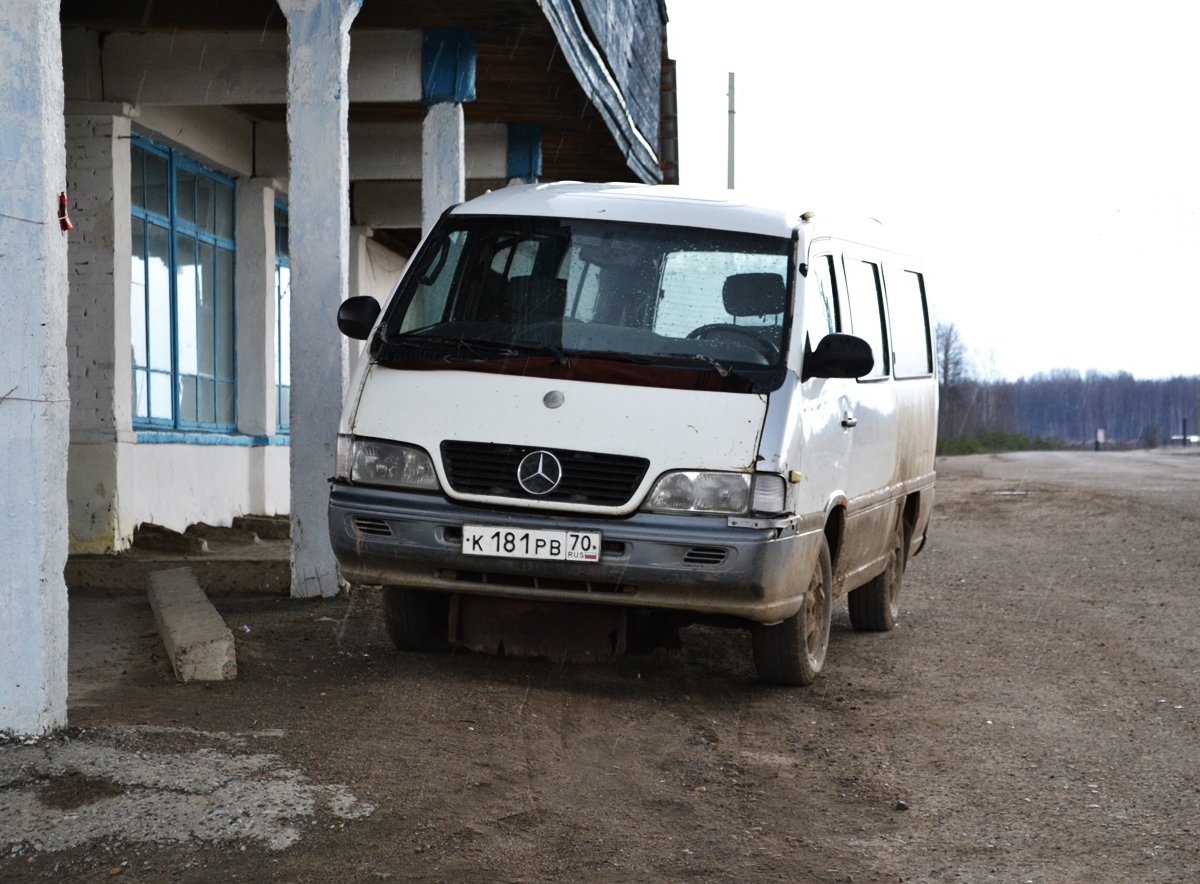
(231, 173)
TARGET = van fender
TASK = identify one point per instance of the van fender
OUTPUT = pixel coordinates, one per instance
(836, 506)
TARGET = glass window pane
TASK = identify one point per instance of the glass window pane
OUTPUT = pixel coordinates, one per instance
(205, 204)
(141, 408)
(285, 406)
(225, 404)
(281, 233)
(137, 188)
(694, 288)
(187, 399)
(160, 395)
(820, 296)
(910, 326)
(156, 183)
(224, 211)
(205, 312)
(866, 318)
(283, 338)
(207, 402)
(137, 293)
(159, 301)
(185, 195)
(185, 308)
(224, 309)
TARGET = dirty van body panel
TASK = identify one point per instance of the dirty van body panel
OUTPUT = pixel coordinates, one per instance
(872, 492)
(673, 429)
(649, 560)
(647, 333)
(916, 424)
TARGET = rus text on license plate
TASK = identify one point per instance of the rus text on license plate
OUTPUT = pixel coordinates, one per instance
(527, 543)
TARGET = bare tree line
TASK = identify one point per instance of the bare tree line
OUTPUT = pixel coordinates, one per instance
(1063, 405)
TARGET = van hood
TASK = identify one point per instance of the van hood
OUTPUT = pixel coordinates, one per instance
(671, 429)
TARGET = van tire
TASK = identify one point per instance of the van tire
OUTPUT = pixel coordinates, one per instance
(416, 619)
(793, 652)
(875, 606)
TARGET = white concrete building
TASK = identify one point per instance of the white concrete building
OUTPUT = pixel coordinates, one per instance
(232, 172)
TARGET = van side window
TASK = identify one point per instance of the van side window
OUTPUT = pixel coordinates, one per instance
(820, 300)
(910, 323)
(866, 312)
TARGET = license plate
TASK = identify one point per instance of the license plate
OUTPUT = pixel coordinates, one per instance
(528, 543)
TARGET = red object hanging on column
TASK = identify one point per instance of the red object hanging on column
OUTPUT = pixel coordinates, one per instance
(64, 223)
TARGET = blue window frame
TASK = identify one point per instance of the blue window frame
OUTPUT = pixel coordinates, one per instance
(182, 296)
(283, 320)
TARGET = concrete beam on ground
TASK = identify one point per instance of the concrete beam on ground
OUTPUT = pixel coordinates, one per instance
(34, 396)
(199, 644)
(319, 237)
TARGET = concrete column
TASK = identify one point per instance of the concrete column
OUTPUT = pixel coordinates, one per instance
(98, 337)
(255, 284)
(447, 80)
(524, 153)
(319, 227)
(34, 404)
(443, 161)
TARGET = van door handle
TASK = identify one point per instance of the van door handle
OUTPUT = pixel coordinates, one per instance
(849, 421)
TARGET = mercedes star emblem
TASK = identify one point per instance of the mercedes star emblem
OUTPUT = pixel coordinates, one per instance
(539, 472)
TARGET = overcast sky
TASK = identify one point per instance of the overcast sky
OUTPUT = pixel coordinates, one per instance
(1044, 158)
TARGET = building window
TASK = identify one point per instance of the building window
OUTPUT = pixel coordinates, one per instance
(283, 320)
(181, 302)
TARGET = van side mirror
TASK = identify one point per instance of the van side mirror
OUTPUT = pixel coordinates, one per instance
(356, 317)
(838, 356)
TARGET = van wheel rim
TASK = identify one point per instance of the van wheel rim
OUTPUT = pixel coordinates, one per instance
(814, 621)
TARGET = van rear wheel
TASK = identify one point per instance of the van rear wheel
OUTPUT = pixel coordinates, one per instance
(875, 606)
(416, 619)
(793, 652)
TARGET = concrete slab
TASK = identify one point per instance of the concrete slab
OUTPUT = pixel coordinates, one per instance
(198, 642)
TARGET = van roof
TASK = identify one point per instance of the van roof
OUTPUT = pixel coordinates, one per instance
(643, 203)
(674, 205)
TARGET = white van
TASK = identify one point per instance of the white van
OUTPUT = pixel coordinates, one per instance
(652, 407)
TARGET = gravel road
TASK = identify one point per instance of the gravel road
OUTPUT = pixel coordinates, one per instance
(1032, 718)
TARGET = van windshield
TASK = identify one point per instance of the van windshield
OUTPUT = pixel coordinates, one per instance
(490, 288)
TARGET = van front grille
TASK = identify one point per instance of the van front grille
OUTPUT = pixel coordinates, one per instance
(589, 478)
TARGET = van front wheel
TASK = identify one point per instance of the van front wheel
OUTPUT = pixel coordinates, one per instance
(416, 619)
(875, 606)
(793, 652)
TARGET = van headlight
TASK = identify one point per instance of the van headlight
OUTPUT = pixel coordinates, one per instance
(734, 494)
(371, 462)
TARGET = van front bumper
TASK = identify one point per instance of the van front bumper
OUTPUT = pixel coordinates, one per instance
(700, 564)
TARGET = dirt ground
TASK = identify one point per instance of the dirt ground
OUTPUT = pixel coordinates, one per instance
(1032, 718)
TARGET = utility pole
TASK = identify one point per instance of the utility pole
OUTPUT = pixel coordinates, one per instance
(731, 114)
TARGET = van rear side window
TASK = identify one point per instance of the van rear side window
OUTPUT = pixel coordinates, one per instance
(866, 312)
(910, 323)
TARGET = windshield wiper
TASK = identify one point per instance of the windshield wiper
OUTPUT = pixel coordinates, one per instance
(541, 347)
(471, 346)
(652, 358)
(496, 348)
